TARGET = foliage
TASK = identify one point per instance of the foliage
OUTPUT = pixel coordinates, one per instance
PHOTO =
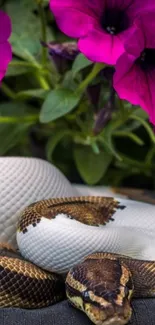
(49, 113)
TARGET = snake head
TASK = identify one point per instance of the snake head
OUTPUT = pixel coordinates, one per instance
(102, 288)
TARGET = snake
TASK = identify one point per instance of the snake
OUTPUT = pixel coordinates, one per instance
(91, 249)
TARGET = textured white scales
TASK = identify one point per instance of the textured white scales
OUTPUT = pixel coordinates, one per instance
(22, 182)
(60, 243)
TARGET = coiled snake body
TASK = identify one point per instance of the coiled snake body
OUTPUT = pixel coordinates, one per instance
(58, 235)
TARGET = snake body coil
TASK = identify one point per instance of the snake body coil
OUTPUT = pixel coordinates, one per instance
(23, 284)
(57, 234)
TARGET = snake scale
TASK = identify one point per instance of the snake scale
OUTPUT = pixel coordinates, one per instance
(100, 279)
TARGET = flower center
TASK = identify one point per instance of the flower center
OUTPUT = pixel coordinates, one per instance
(147, 60)
(114, 21)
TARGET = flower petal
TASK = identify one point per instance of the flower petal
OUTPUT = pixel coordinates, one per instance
(69, 22)
(146, 23)
(87, 6)
(137, 7)
(5, 27)
(5, 56)
(76, 18)
(135, 85)
(100, 46)
(122, 4)
(132, 7)
(147, 98)
(127, 79)
(134, 40)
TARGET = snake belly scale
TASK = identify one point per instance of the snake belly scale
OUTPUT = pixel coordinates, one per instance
(49, 234)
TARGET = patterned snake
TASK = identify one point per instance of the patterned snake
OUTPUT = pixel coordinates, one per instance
(96, 243)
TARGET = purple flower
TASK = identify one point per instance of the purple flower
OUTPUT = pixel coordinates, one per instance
(134, 79)
(100, 25)
(105, 114)
(5, 48)
(67, 50)
(62, 53)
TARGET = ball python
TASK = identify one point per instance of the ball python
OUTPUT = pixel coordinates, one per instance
(98, 244)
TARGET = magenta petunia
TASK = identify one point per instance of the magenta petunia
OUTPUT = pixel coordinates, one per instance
(100, 25)
(134, 79)
(5, 47)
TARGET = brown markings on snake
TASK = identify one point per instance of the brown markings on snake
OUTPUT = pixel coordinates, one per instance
(90, 210)
(22, 284)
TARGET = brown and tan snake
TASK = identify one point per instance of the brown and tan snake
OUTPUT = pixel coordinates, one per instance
(99, 282)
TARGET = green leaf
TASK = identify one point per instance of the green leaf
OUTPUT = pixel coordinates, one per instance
(80, 63)
(69, 82)
(16, 70)
(58, 103)
(11, 135)
(32, 93)
(14, 109)
(27, 4)
(23, 40)
(45, 2)
(109, 147)
(150, 156)
(134, 125)
(141, 113)
(54, 140)
(91, 166)
(26, 33)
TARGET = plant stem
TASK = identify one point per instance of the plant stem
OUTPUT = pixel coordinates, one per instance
(16, 120)
(16, 63)
(7, 91)
(42, 81)
(146, 126)
(43, 31)
(96, 69)
(130, 135)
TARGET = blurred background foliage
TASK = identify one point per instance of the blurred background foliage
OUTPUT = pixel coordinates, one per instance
(47, 111)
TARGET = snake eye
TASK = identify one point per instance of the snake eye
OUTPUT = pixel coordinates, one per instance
(126, 292)
(85, 295)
